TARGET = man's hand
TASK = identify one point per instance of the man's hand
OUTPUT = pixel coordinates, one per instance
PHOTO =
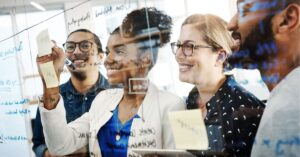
(51, 95)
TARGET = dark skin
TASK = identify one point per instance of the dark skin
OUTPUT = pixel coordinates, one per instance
(122, 63)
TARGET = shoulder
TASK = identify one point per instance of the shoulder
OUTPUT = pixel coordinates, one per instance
(63, 87)
(170, 101)
(108, 94)
(106, 98)
(241, 97)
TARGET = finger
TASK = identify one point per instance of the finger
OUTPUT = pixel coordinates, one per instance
(43, 58)
(54, 42)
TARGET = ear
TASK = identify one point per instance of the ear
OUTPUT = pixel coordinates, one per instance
(222, 56)
(288, 20)
(101, 56)
(146, 59)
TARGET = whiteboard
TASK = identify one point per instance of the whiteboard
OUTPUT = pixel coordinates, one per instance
(14, 124)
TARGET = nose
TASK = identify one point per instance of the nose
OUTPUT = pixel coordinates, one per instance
(233, 23)
(179, 53)
(77, 50)
(109, 59)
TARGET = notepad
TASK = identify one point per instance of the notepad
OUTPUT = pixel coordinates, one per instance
(44, 43)
(189, 129)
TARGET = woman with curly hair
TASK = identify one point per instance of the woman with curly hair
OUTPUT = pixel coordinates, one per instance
(134, 116)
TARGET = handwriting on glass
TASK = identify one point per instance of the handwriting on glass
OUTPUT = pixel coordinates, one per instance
(11, 51)
(280, 145)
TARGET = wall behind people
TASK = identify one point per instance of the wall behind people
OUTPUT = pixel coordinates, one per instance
(20, 23)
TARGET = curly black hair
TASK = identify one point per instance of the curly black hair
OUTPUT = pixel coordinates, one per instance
(142, 19)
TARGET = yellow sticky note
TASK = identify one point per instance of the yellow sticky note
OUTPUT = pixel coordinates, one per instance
(49, 74)
(189, 129)
(43, 43)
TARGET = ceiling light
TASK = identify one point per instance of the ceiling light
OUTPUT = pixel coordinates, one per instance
(38, 6)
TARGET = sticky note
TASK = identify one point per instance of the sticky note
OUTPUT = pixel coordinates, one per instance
(189, 129)
(49, 74)
(44, 43)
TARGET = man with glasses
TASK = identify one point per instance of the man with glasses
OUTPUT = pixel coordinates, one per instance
(269, 32)
(83, 51)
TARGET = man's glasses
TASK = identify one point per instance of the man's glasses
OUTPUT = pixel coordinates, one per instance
(187, 48)
(84, 46)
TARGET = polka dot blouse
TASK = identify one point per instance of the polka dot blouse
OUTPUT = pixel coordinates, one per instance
(233, 116)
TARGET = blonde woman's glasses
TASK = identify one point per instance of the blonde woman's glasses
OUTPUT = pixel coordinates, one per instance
(187, 48)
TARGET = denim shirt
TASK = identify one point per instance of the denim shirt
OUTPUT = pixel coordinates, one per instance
(76, 104)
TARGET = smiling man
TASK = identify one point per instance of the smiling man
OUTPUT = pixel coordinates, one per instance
(269, 35)
(83, 49)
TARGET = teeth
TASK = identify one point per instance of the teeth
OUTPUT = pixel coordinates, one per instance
(184, 67)
(112, 71)
(78, 61)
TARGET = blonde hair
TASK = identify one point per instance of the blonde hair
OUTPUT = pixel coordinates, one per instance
(214, 30)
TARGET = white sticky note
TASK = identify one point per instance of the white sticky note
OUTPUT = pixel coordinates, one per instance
(49, 74)
(44, 43)
(189, 129)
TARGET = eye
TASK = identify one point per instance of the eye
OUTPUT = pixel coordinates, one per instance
(106, 51)
(70, 46)
(120, 51)
(188, 46)
(85, 45)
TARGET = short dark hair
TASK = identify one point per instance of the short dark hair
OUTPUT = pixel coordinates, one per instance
(95, 37)
(281, 4)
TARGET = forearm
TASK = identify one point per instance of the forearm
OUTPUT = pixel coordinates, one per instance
(51, 97)
(58, 134)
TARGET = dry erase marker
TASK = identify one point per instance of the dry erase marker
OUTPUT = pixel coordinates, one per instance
(69, 63)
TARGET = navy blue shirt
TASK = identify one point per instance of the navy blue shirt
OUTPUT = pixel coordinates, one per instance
(113, 136)
(233, 116)
(76, 104)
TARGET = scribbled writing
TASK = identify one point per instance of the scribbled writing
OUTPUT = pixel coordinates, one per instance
(187, 126)
(111, 9)
(12, 138)
(21, 112)
(14, 102)
(78, 21)
(11, 51)
(280, 146)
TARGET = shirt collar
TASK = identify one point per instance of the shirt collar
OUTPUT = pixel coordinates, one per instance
(100, 85)
(226, 87)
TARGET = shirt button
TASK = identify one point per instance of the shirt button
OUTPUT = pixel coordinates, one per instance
(85, 98)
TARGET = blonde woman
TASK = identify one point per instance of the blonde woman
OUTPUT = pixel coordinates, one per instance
(201, 51)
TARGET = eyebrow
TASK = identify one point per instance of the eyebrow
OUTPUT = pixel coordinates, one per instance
(82, 40)
(119, 45)
(186, 41)
(116, 46)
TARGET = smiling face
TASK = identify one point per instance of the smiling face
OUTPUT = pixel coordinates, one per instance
(200, 67)
(84, 62)
(122, 61)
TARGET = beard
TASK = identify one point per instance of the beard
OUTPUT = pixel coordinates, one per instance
(257, 49)
(79, 75)
(260, 42)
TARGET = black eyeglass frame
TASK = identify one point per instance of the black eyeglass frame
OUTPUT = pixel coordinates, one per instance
(175, 47)
(78, 43)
